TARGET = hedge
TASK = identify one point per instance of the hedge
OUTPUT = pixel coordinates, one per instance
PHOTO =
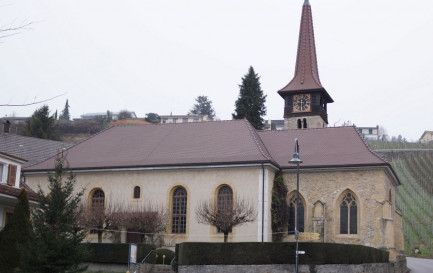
(276, 253)
(115, 253)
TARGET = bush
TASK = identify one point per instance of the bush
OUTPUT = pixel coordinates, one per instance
(277, 253)
(115, 253)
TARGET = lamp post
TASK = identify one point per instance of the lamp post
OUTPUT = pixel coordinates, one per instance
(297, 161)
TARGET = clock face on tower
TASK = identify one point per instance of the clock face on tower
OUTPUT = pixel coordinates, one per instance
(302, 103)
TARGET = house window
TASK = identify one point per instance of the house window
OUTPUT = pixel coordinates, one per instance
(136, 192)
(196, 120)
(179, 211)
(225, 200)
(12, 174)
(164, 120)
(299, 124)
(1, 172)
(348, 215)
(174, 120)
(98, 199)
(292, 214)
(185, 120)
(305, 123)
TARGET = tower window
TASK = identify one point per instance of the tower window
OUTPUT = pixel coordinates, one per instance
(305, 123)
(299, 124)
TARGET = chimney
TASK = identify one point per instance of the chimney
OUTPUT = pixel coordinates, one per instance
(6, 126)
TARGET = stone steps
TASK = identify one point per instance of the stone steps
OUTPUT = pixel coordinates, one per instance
(161, 269)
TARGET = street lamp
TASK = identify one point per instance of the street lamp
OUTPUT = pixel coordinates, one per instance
(297, 161)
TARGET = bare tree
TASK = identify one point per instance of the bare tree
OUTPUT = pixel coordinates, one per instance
(224, 218)
(144, 219)
(98, 217)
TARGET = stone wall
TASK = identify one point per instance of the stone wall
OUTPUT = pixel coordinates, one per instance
(379, 225)
(394, 267)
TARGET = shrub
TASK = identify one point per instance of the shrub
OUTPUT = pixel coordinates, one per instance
(277, 253)
(115, 253)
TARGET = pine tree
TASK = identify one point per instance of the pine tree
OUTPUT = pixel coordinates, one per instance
(65, 113)
(251, 101)
(203, 106)
(40, 125)
(15, 237)
(56, 240)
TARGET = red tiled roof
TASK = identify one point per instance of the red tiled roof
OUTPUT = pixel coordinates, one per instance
(218, 142)
(323, 147)
(12, 191)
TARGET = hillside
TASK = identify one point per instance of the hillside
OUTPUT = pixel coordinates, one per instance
(413, 163)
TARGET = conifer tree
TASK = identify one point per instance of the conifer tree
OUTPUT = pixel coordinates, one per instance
(56, 240)
(40, 125)
(279, 211)
(65, 113)
(203, 106)
(15, 237)
(251, 101)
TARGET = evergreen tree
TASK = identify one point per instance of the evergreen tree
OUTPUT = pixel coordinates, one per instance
(203, 106)
(65, 113)
(40, 125)
(251, 101)
(56, 240)
(152, 118)
(15, 237)
(279, 211)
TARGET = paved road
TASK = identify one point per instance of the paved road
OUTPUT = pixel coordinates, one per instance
(417, 265)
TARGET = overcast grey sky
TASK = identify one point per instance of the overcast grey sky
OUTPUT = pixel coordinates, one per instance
(375, 57)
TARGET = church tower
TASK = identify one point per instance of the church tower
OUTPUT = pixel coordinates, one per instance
(305, 99)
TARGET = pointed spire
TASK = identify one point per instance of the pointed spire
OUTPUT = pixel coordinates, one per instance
(306, 71)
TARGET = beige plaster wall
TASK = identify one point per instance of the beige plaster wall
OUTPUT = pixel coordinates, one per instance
(201, 184)
(378, 223)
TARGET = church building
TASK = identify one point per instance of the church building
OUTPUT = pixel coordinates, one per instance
(347, 191)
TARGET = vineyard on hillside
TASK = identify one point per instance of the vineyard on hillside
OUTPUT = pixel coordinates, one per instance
(413, 164)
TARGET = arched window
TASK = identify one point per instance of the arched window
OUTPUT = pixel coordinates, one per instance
(136, 192)
(98, 199)
(292, 214)
(299, 124)
(305, 123)
(348, 214)
(225, 198)
(179, 211)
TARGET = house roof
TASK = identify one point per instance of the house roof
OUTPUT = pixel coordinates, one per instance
(15, 192)
(221, 142)
(29, 148)
(426, 133)
(323, 147)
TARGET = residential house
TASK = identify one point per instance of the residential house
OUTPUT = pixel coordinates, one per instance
(10, 186)
(183, 118)
(427, 137)
(369, 133)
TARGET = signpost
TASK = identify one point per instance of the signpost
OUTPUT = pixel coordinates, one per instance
(132, 259)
